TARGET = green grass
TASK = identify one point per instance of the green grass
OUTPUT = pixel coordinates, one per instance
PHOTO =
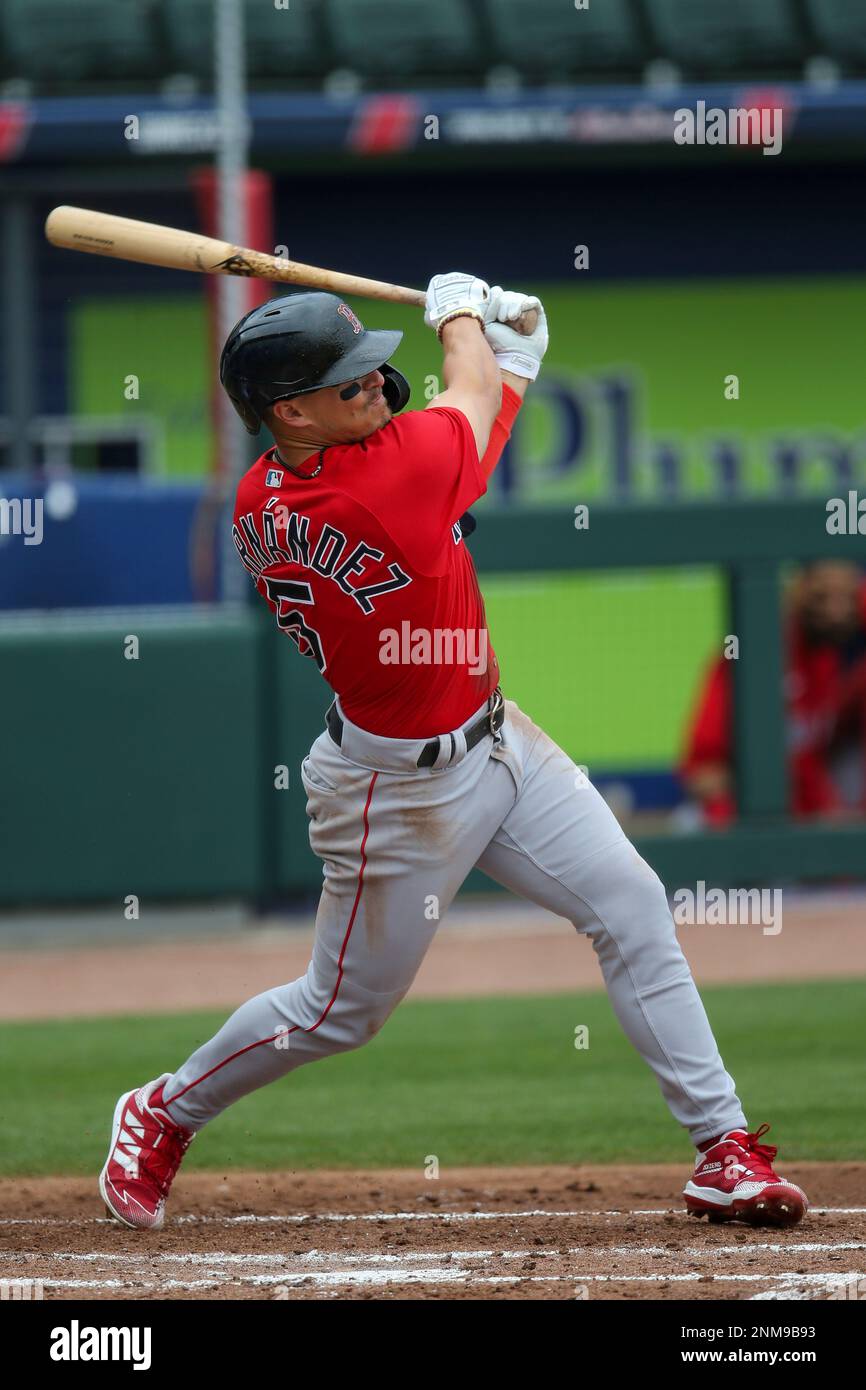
(473, 1081)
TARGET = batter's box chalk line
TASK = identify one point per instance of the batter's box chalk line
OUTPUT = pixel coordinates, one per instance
(304, 1218)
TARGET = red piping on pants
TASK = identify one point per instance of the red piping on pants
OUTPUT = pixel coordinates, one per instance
(324, 1014)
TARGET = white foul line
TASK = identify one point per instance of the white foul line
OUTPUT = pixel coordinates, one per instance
(302, 1218)
(444, 1275)
(387, 1257)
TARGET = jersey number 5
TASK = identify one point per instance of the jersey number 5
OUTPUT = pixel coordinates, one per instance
(284, 594)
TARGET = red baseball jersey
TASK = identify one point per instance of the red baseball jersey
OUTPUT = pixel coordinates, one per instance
(366, 570)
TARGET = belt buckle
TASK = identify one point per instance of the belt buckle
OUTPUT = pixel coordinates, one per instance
(497, 705)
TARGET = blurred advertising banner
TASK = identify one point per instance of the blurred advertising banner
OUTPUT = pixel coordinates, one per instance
(734, 388)
(693, 390)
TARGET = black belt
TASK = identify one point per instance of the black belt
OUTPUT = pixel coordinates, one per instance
(489, 723)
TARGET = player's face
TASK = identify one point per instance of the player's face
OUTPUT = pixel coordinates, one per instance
(324, 414)
(831, 601)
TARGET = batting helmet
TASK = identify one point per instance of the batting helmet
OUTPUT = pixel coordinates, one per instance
(300, 343)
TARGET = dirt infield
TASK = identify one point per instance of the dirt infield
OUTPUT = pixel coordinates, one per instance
(511, 1233)
(545, 1233)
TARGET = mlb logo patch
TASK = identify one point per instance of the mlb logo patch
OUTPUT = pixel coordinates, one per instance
(274, 478)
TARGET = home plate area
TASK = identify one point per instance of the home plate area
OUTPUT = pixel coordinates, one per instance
(548, 1233)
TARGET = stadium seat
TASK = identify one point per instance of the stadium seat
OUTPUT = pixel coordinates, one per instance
(397, 39)
(551, 37)
(734, 36)
(281, 43)
(56, 41)
(840, 28)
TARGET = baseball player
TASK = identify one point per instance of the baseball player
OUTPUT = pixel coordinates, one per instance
(350, 526)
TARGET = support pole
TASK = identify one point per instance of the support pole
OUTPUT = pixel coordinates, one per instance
(19, 334)
(232, 158)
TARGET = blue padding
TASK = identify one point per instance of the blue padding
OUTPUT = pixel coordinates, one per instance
(654, 790)
(125, 543)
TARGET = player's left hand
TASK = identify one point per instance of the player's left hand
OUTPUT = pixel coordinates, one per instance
(455, 293)
(452, 293)
(519, 353)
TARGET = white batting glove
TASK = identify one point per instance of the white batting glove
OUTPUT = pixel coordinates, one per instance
(518, 353)
(507, 305)
(455, 293)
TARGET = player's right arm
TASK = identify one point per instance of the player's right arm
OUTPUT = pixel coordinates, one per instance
(456, 306)
(473, 384)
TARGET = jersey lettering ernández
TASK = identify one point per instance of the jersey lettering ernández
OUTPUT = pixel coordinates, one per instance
(365, 568)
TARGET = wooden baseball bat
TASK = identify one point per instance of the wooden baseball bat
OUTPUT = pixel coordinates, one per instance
(80, 229)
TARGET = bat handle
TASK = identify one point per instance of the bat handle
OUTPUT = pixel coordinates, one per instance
(527, 323)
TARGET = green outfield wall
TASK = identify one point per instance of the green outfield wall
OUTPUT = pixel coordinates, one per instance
(155, 755)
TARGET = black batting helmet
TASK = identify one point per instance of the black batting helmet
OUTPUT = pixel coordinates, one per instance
(300, 343)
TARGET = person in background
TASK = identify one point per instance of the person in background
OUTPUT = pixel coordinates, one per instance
(825, 705)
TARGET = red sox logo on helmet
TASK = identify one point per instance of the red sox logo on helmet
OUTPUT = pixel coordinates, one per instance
(353, 318)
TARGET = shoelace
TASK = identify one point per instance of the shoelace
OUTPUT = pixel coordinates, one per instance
(163, 1163)
(764, 1153)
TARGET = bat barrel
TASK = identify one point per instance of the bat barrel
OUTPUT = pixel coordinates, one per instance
(102, 234)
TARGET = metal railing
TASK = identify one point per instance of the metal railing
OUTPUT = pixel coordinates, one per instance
(57, 435)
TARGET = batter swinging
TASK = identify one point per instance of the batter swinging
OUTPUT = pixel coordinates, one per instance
(352, 527)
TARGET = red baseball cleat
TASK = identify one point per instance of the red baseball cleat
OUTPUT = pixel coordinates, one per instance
(146, 1151)
(734, 1180)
